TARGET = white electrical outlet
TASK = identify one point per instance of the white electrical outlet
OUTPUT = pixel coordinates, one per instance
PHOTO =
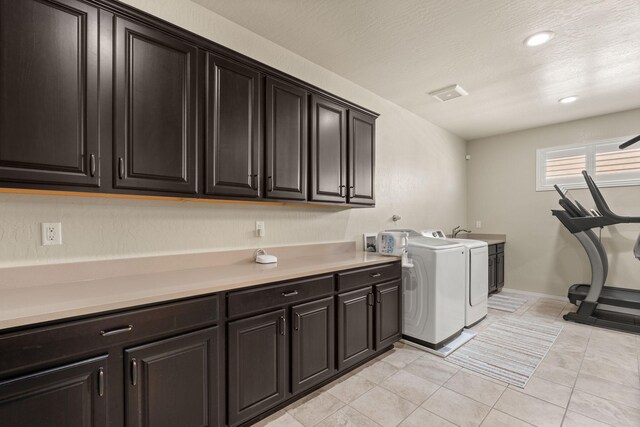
(478, 224)
(260, 228)
(51, 233)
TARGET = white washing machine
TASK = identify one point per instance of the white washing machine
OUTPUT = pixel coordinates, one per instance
(432, 291)
(477, 275)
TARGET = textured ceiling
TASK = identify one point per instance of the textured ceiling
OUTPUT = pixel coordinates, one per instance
(404, 49)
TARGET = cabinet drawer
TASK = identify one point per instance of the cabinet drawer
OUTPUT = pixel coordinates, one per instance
(263, 298)
(500, 247)
(24, 350)
(493, 249)
(368, 276)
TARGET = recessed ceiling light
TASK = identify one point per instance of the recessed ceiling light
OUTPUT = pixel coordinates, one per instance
(568, 99)
(539, 38)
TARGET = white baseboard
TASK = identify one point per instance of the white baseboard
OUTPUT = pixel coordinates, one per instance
(536, 294)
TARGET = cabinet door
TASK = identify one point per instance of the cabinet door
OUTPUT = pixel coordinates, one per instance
(355, 326)
(388, 314)
(155, 110)
(492, 273)
(312, 351)
(362, 134)
(257, 363)
(173, 382)
(49, 92)
(500, 270)
(328, 151)
(286, 141)
(233, 129)
(71, 395)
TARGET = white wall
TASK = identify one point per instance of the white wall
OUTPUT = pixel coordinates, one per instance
(541, 255)
(421, 175)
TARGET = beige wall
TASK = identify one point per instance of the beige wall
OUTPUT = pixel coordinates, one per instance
(421, 175)
(542, 256)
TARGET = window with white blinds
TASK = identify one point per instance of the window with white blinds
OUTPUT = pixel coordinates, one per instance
(606, 163)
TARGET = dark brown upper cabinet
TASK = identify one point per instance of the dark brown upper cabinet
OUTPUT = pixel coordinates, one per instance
(49, 92)
(362, 146)
(328, 151)
(155, 110)
(286, 141)
(232, 148)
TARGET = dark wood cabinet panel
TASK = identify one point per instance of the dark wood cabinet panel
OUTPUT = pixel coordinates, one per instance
(71, 395)
(500, 270)
(257, 361)
(173, 382)
(388, 313)
(49, 92)
(155, 110)
(312, 343)
(492, 273)
(285, 140)
(362, 147)
(355, 326)
(233, 129)
(328, 154)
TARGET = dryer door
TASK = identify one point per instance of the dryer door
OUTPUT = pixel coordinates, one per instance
(478, 275)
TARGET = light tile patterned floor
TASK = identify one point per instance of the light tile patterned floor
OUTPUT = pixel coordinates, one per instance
(590, 378)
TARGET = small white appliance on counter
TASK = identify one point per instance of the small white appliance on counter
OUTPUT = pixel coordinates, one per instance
(433, 291)
(477, 275)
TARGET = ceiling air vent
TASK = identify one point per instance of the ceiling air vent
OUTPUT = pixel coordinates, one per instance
(448, 93)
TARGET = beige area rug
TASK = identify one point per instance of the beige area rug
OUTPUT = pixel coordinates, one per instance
(505, 303)
(508, 350)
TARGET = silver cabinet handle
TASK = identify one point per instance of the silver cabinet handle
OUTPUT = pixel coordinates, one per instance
(297, 324)
(118, 331)
(374, 275)
(120, 167)
(253, 184)
(290, 294)
(370, 299)
(283, 325)
(134, 372)
(101, 382)
(269, 184)
(378, 297)
(92, 164)
(352, 191)
(341, 188)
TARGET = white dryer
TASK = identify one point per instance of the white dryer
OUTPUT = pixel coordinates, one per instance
(477, 275)
(432, 291)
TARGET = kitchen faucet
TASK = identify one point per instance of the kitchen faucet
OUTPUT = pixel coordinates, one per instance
(457, 230)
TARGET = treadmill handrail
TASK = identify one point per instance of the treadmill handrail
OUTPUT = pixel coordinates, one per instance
(629, 142)
(602, 204)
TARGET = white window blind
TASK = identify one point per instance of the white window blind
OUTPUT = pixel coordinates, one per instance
(603, 160)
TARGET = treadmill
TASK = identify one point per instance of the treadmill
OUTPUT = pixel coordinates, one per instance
(598, 305)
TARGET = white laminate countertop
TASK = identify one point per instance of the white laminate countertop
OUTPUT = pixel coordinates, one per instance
(27, 305)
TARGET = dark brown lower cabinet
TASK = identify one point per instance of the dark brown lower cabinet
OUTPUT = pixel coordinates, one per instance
(173, 382)
(355, 326)
(70, 395)
(500, 270)
(257, 363)
(492, 273)
(312, 339)
(388, 313)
